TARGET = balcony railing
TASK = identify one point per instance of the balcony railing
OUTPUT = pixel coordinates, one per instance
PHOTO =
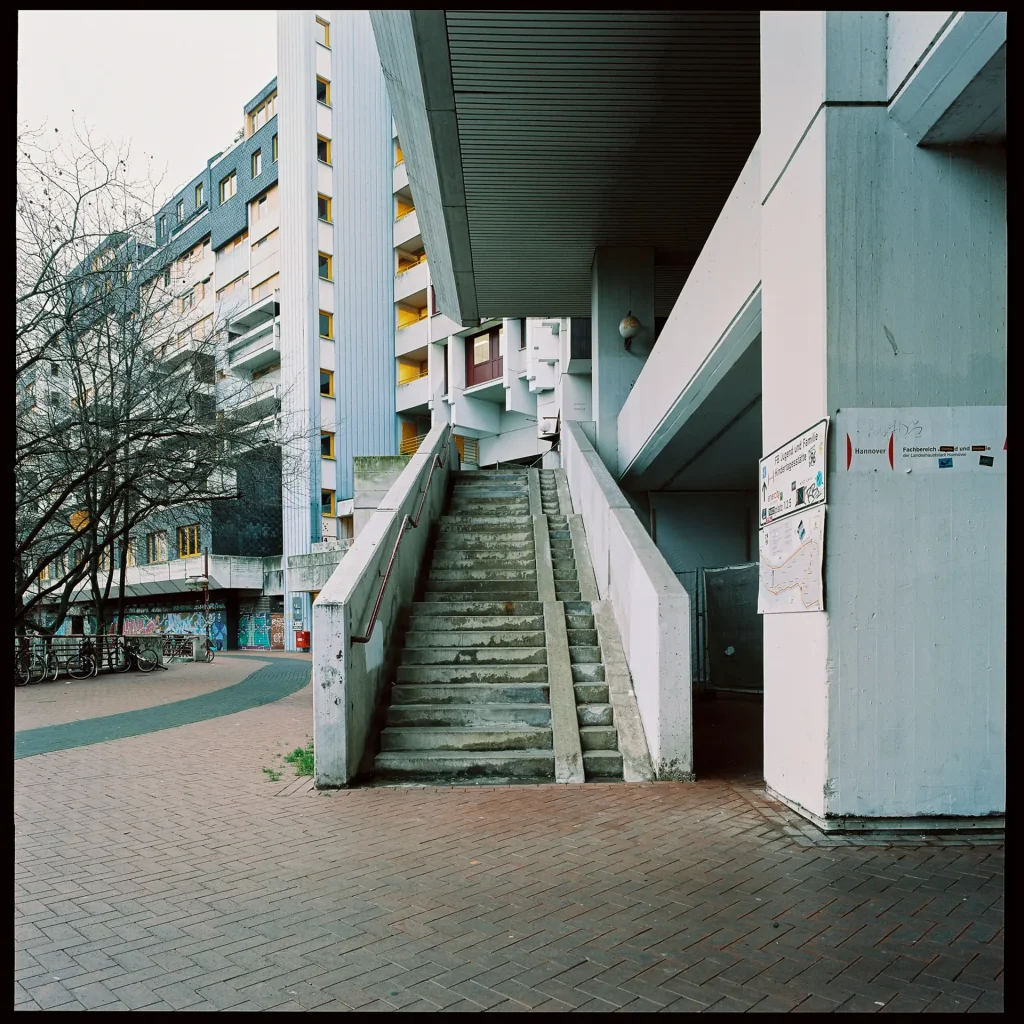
(411, 445)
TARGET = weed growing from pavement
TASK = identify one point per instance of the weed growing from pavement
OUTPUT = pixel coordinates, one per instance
(302, 759)
(274, 774)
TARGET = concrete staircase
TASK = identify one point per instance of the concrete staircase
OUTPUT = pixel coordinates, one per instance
(472, 700)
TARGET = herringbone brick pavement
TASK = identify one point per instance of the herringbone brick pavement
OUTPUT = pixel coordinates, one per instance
(167, 871)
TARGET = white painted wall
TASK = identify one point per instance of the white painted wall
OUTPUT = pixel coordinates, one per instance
(710, 326)
(911, 36)
(651, 608)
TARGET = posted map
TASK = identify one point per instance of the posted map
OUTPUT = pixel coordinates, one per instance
(790, 575)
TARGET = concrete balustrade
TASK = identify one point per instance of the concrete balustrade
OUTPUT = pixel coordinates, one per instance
(650, 606)
(348, 679)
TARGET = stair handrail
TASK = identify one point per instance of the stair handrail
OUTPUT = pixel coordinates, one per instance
(440, 459)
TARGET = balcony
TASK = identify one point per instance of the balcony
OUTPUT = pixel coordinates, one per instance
(175, 351)
(399, 177)
(414, 336)
(257, 348)
(406, 228)
(259, 401)
(259, 312)
(413, 395)
(411, 282)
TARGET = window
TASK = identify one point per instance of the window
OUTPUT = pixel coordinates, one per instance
(263, 113)
(167, 278)
(323, 208)
(265, 288)
(323, 91)
(199, 195)
(188, 541)
(257, 163)
(326, 444)
(522, 333)
(274, 148)
(179, 211)
(326, 503)
(156, 547)
(162, 227)
(323, 32)
(323, 149)
(259, 208)
(131, 555)
(399, 157)
(327, 383)
(54, 369)
(228, 187)
(233, 288)
(483, 357)
(326, 325)
(324, 266)
(433, 302)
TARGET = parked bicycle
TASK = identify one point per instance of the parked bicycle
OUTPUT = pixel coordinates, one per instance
(127, 652)
(84, 662)
(29, 667)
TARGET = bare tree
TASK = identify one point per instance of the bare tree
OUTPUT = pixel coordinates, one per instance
(120, 412)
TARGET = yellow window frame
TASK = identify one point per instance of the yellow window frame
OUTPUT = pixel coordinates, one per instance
(329, 434)
(327, 32)
(188, 541)
(330, 325)
(327, 143)
(329, 393)
(330, 266)
(327, 89)
(333, 508)
(327, 200)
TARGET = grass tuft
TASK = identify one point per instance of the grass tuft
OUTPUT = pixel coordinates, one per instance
(302, 759)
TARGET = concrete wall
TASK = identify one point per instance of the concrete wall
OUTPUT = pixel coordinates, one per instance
(706, 331)
(373, 476)
(348, 679)
(703, 529)
(651, 608)
(911, 36)
(885, 288)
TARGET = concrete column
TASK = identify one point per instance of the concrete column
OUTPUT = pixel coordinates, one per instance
(623, 282)
(883, 288)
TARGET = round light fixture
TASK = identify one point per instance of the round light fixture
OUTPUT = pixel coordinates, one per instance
(629, 327)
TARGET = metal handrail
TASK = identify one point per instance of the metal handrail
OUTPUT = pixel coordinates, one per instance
(440, 458)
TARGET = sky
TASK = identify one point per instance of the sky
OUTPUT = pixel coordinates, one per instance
(173, 83)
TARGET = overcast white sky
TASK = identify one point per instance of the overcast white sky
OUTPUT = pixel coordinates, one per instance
(171, 82)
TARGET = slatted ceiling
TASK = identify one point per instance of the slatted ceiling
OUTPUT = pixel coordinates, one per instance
(587, 128)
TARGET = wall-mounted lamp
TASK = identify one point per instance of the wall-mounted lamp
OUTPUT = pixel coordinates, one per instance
(629, 328)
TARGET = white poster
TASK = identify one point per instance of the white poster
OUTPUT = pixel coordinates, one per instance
(939, 439)
(790, 573)
(792, 478)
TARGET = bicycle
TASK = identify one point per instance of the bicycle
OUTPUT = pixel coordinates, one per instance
(128, 652)
(84, 662)
(209, 648)
(28, 667)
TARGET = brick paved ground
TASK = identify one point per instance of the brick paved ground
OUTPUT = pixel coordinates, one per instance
(168, 871)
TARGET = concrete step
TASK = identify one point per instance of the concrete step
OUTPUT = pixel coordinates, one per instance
(470, 716)
(497, 507)
(582, 637)
(588, 673)
(438, 623)
(479, 575)
(483, 656)
(451, 558)
(579, 654)
(470, 693)
(579, 608)
(500, 589)
(466, 523)
(591, 693)
(497, 673)
(602, 764)
(463, 738)
(579, 621)
(480, 638)
(563, 561)
(501, 608)
(595, 714)
(429, 765)
(477, 595)
(599, 737)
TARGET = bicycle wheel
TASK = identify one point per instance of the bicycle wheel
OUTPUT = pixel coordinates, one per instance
(147, 660)
(37, 669)
(52, 666)
(117, 657)
(81, 665)
(22, 670)
(209, 652)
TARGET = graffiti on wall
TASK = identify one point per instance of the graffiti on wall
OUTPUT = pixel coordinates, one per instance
(190, 622)
(262, 631)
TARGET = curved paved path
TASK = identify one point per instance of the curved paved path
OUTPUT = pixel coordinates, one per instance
(264, 686)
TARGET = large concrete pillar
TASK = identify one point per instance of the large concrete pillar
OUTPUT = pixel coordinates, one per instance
(623, 282)
(883, 289)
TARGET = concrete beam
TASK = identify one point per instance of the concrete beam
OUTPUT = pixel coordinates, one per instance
(565, 731)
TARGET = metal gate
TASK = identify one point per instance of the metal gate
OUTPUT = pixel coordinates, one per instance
(733, 642)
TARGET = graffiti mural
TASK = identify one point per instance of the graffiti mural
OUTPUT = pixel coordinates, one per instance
(254, 631)
(277, 631)
(190, 621)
